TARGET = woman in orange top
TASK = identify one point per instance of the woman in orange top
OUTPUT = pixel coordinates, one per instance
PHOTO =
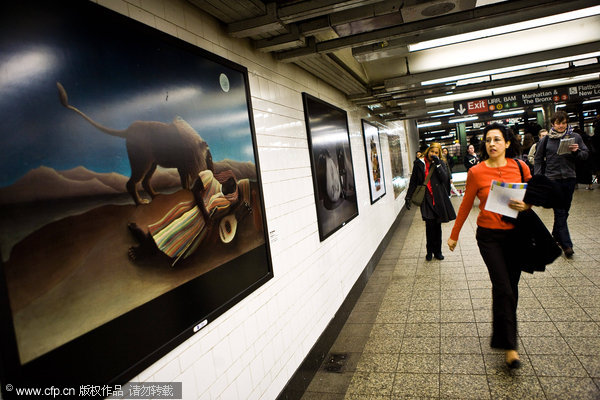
(494, 233)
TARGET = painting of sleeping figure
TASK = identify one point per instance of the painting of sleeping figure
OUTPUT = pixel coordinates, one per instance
(129, 190)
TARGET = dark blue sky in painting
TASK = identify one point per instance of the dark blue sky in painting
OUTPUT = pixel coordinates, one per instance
(114, 70)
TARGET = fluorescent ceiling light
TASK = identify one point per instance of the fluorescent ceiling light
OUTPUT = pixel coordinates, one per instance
(591, 101)
(503, 113)
(520, 26)
(442, 115)
(560, 106)
(509, 89)
(425, 125)
(443, 110)
(453, 121)
(587, 61)
(511, 69)
(540, 109)
(460, 96)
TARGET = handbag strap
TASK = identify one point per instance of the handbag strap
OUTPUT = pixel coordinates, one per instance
(520, 170)
(428, 177)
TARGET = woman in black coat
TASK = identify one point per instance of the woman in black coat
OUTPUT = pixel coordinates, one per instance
(436, 207)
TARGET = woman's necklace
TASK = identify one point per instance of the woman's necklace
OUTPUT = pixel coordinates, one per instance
(497, 166)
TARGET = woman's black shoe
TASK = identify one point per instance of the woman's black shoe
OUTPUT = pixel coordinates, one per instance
(439, 256)
(514, 364)
(429, 256)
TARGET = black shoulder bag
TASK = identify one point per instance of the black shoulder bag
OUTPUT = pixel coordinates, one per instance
(419, 194)
(534, 245)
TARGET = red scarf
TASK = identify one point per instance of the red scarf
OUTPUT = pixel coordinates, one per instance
(427, 164)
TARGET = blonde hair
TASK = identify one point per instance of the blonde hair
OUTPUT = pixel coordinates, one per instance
(434, 144)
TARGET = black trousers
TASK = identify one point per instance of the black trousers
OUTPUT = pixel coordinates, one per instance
(433, 232)
(497, 250)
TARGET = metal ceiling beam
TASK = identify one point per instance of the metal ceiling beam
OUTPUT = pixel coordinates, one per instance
(460, 22)
(331, 70)
(520, 80)
(277, 17)
(230, 11)
(262, 24)
(399, 46)
(282, 42)
(414, 80)
(311, 9)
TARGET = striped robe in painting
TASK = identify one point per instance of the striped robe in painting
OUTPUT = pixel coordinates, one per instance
(179, 233)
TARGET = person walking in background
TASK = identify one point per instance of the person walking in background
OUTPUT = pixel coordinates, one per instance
(471, 158)
(531, 155)
(528, 142)
(447, 158)
(585, 169)
(495, 235)
(561, 169)
(436, 207)
(419, 156)
(596, 144)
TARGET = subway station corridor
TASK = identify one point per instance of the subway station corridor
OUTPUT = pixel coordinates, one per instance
(421, 330)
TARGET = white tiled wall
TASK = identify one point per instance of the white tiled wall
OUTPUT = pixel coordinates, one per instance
(252, 350)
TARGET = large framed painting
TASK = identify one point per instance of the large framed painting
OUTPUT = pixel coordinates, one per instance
(131, 205)
(374, 163)
(331, 162)
(399, 180)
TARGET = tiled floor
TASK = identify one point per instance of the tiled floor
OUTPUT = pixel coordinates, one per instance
(420, 330)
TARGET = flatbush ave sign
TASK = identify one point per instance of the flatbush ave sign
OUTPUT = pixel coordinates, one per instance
(577, 92)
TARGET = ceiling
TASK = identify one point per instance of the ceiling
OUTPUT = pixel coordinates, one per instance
(361, 47)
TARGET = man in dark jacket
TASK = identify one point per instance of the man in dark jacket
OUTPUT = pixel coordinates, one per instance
(560, 166)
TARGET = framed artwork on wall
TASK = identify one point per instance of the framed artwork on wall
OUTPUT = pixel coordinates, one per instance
(331, 161)
(374, 162)
(132, 212)
(399, 181)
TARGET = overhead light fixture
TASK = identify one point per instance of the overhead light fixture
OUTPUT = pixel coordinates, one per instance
(460, 96)
(426, 124)
(503, 113)
(538, 109)
(442, 115)
(519, 26)
(508, 89)
(546, 63)
(591, 101)
(443, 110)
(457, 120)
(559, 106)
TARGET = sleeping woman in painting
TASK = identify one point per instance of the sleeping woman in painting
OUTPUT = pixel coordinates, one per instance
(332, 177)
(218, 198)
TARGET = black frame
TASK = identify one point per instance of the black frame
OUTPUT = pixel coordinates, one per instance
(371, 138)
(327, 131)
(398, 174)
(118, 350)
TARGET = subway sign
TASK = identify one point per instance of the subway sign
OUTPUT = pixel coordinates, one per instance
(578, 92)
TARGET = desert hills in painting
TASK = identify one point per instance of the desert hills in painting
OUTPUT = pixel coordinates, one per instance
(67, 266)
(43, 183)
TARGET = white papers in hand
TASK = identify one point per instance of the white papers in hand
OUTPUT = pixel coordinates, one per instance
(500, 195)
(563, 147)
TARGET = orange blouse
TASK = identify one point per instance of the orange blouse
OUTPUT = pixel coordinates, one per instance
(479, 180)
